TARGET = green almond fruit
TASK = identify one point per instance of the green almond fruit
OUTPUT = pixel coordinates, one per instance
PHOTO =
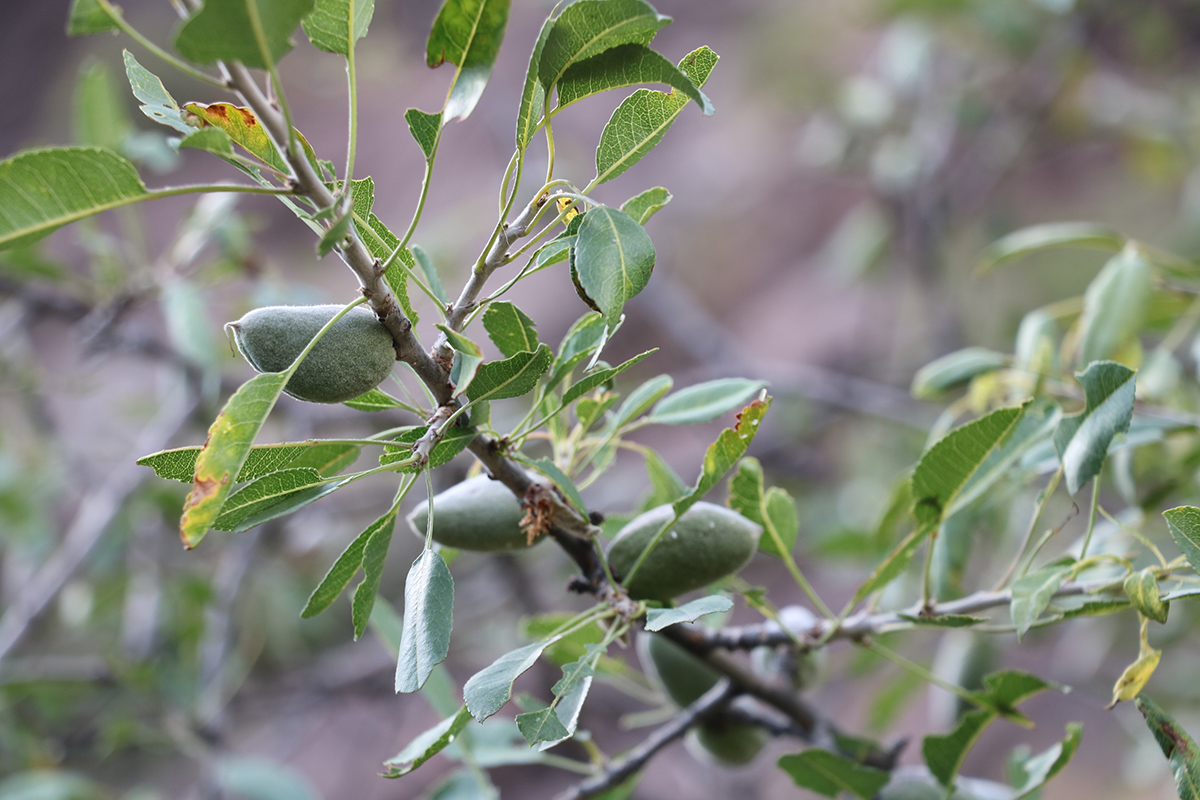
(684, 677)
(354, 357)
(478, 514)
(709, 542)
(726, 742)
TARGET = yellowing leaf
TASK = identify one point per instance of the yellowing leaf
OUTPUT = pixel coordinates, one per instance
(1134, 678)
(246, 131)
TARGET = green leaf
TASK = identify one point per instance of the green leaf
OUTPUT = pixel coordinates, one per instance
(533, 95)
(548, 468)
(374, 554)
(722, 454)
(645, 205)
(893, 565)
(570, 703)
(947, 467)
(179, 464)
(157, 102)
(587, 334)
(828, 774)
(1115, 305)
(432, 279)
(510, 329)
(424, 129)
(87, 17)
(265, 493)
(427, 745)
(327, 458)
(953, 369)
(99, 117)
(944, 620)
(945, 753)
(775, 509)
(1082, 439)
(1180, 749)
(489, 689)
(222, 31)
(599, 378)
(339, 575)
(467, 358)
(541, 726)
(659, 618)
(467, 33)
(335, 25)
(428, 606)
(1184, 524)
(380, 242)
(210, 140)
(1041, 768)
(613, 258)
(512, 377)
(640, 400)
(704, 402)
(1142, 590)
(590, 27)
(453, 443)
(644, 117)
(377, 400)
(626, 65)
(229, 440)
(1056, 234)
(1004, 689)
(1032, 593)
(42, 190)
(667, 486)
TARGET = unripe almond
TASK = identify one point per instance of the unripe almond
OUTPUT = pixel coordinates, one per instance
(477, 514)
(683, 676)
(706, 544)
(352, 358)
(727, 742)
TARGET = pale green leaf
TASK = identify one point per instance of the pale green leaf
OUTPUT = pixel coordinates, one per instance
(339, 575)
(489, 689)
(666, 484)
(1082, 439)
(568, 709)
(467, 33)
(1039, 769)
(428, 606)
(378, 400)
(659, 618)
(467, 358)
(380, 242)
(432, 279)
(335, 25)
(645, 205)
(599, 378)
(512, 377)
(1143, 591)
(613, 259)
(944, 620)
(374, 554)
(100, 118)
(427, 745)
(623, 66)
(210, 140)
(1184, 524)
(261, 494)
(222, 31)
(533, 95)
(590, 27)
(953, 369)
(42, 190)
(893, 565)
(1115, 305)
(782, 523)
(179, 464)
(704, 402)
(644, 117)
(722, 454)
(1032, 593)
(1021, 243)
(88, 16)
(510, 329)
(829, 774)
(1134, 678)
(453, 442)
(425, 129)
(1180, 749)
(641, 399)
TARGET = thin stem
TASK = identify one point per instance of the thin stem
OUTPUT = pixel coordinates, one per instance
(1091, 526)
(352, 79)
(1141, 537)
(549, 150)
(927, 569)
(118, 19)
(276, 85)
(1038, 508)
(922, 672)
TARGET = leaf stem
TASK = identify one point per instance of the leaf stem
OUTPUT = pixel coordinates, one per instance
(115, 14)
(273, 72)
(352, 80)
(1039, 507)
(923, 673)
(1091, 526)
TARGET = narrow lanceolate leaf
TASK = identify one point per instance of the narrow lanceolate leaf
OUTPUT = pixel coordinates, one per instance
(613, 258)
(646, 204)
(377, 400)
(640, 399)
(533, 96)
(659, 618)
(1041, 768)
(722, 454)
(424, 129)
(590, 27)
(374, 555)
(88, 16)
(599, 378)
(428, 605)
(627, 65)
(467, 33)
(512, 377)
(955, 369)
(179, 464)
(427, 745)
(946, 468)
(157, 102)
(229, 440)
(265, 492)
(893, 565)
(829, 774)
(1115, 305)
(704, 402)
(489, 689)
(245, 131)
(1184, 524)
(644, 117)
(222, 31)
(1179, 748)
(1019, 244)
(467, 358)
(666, 486)
(1142, 590)
(42, 190)
(335, 25)
(1082, 439)
(510, 329)
(432, 279)
(944, 754)
(339, 575)
(1032, 593)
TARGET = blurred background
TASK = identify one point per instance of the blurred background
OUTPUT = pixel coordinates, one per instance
(824, 233)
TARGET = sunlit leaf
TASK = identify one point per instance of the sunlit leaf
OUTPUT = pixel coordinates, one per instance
(512, 377)
(510, 329)
(533, 96)
(613, 259)
(623, 66)
(244, 130)
(1134, 678)
(424, 129)
(467, 33)
(1184, 524)
(590, 27)
(335, 25)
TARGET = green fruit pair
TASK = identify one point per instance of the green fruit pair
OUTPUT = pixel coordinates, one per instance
(352, 358)
(707, 543)
(477, 514)
(685, 678)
